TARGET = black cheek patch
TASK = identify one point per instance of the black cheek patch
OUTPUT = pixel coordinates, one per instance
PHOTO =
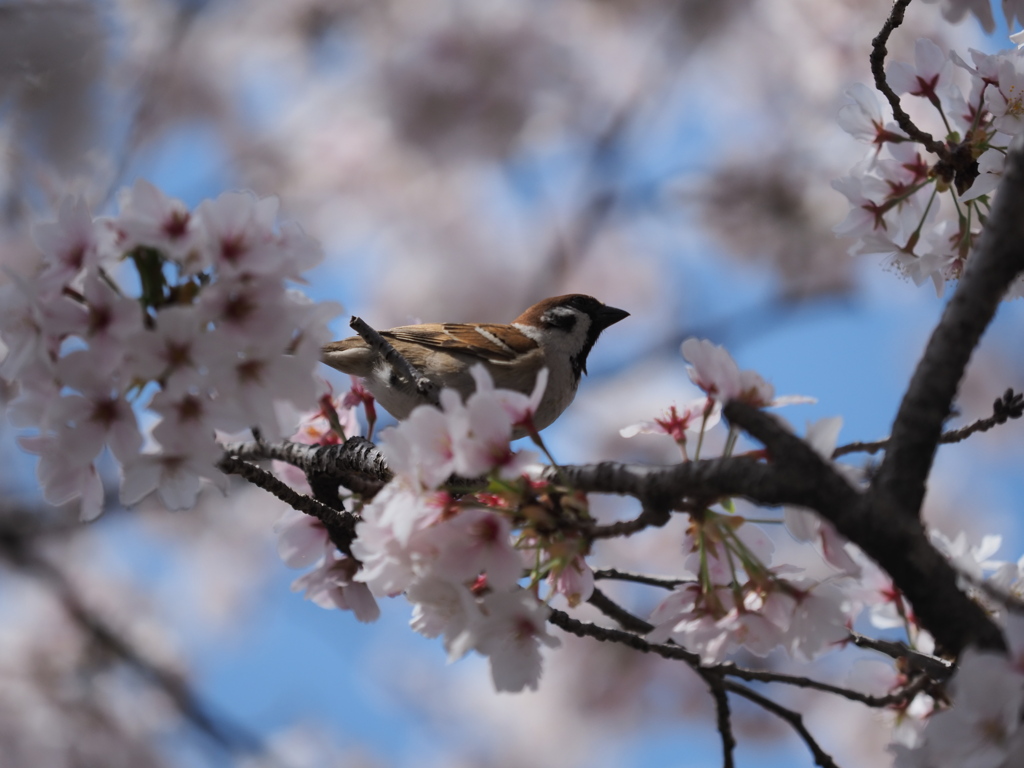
(564, 321)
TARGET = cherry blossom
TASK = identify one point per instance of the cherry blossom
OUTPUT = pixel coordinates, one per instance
(511, 637)
(930, 77)
(694, 417)
(862, 117)
(70, 244)
(331, 585)
(150, 218)
(714, 371)
(64, 477)
(1006, 101)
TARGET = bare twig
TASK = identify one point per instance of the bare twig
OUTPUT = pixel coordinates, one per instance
(795, 719)
(898, 696)
(648, 518)
(1009, 406)
(937, 669)
(638, 578)
(878, 54)
(722, 715)
(671, 651)
(409, 377)
(614, 611)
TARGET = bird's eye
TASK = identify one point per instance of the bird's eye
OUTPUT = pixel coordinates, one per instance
(562, 318)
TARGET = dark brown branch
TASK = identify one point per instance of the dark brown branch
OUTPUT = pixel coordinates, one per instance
(1009, 406)
(648, 518)
(581, 629)
(410, 378)
(997, 260)
(795, 720)
(937, 669)
(899, 696)
(722, 715)
(635, 625)
(617, 613)
(898, 543)
(878, 54)
(356, 456)
(340, 525)
(563, 621)
(638, 578)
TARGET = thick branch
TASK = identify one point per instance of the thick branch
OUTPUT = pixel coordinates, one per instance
(998, 259)
(357, 455)
(896, 542)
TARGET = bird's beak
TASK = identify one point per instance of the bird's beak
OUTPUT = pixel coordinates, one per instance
(609, 316)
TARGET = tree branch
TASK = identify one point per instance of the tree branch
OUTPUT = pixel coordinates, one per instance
(795, 719)
(898, 543)
(638, 578)
(878, 54)
(340, 525)
(1009, 406)
(997, 260)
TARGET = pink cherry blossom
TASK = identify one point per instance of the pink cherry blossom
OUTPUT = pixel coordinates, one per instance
(65, 477)
(149, 217)
(175, 474)
(862, 117)
(69, 245)
(930, 77)
(808, 526)
(514, 630)
(476, 541)
(239, 228)
(446, 608)
(1006, 101)
(301, 539)
(331, 585)
(693, 417)
(714, 371)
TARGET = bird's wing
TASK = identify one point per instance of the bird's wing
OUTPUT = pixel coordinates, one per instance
(488, 341)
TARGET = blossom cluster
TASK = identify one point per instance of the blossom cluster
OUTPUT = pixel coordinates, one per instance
(459, 558)
(922, 212)
(206, 336)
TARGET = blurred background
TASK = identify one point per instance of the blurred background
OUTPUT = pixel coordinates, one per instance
(460, 160)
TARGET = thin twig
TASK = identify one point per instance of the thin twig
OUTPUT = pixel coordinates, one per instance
(341, 526)
(678, 653)
(937, 669)
(722, 715)
(614, 611)
(795, 720)
(409, 376)
(1009, 406)
(878, 54)
(648, 518)
(638, 578)
(899, 696)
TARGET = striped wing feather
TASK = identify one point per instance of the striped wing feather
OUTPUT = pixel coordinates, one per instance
(485, 340)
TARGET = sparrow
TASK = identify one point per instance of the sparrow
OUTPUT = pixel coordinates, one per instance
(557, 334)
